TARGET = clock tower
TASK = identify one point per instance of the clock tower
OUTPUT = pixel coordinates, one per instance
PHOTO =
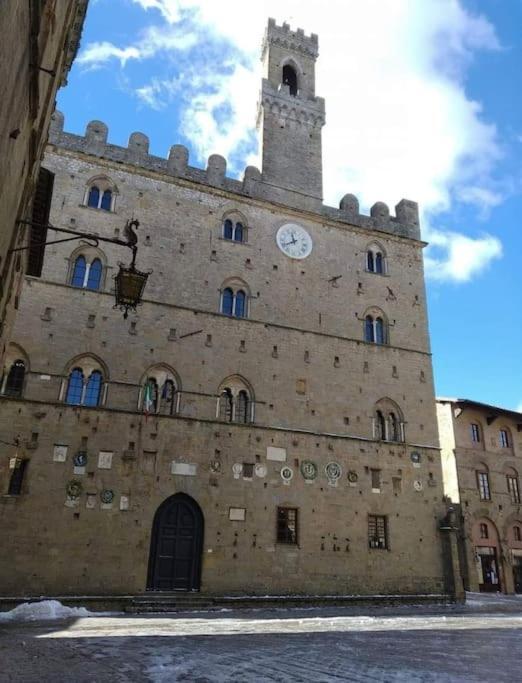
(290, 115)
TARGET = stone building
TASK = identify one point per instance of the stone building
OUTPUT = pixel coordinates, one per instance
(39, 39)
(481, 459)
(267, 422)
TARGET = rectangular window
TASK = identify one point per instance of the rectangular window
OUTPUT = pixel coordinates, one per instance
(504, 439)
(377, 532)
(248, 470)
(483, 485)
(514, 492)
(376, 480)
(17, 477)
(475, 433)
(287, 525)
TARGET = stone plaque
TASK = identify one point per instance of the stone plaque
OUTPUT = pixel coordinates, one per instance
(124, 502)
(287, 474)
(184, 469)
(308, 470)
(237, 468)
(260, 470)
(105, 460)
(90, 503)
(59, 453)
(237, 514)
(278, 454)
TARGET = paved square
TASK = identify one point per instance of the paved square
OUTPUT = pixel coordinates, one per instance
(480, 641)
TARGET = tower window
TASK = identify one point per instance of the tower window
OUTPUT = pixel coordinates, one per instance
(290, 78)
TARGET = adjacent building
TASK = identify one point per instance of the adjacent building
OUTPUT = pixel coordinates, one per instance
(267, 422)
(481, 463)
(39, 39)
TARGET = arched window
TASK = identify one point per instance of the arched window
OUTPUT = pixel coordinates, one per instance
(235, 403)
(225, 405)
(159, 393)
(388, 423)
(168, 392)
(75, 387)
(234, 300)
(87, 271)
(234, 229)
(79, 271)
(93, 389)
(240, 301)
(227, 305)
(93, 199)
(375, 259)
(375, 328)
(483, 482)
(228, 229)
(85, 383)
(475, 432)
(100, 194)
(483, 530)
(369, 332)
(242, 407)
(14, 384)
(106, 200)
(394, 432)
(380, 424)
(290, 78)
(95, 273)
(238, 232)
(517, 533)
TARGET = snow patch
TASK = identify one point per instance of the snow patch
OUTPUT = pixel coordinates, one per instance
(45, 610)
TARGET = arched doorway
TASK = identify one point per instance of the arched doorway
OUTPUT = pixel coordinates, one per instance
(487, 556)
(176, 545)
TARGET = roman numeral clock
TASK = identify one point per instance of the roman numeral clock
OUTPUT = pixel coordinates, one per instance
(294, 241)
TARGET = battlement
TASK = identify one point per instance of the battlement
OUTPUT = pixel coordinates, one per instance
(291, 40)
(95, 143)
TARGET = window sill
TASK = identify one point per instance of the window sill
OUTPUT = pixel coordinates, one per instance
(92, 208)
(242, 244)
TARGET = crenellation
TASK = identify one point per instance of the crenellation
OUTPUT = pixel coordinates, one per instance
(296, 40)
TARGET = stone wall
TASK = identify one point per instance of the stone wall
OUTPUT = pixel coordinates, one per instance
(34, 35)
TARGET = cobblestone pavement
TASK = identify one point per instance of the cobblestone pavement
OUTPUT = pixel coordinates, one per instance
(477, 642)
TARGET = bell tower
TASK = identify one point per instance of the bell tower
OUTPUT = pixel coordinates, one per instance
(290, 115)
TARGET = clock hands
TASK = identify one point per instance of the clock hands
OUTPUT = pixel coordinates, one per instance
(293, 241)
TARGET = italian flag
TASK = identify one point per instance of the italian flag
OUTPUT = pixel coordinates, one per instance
(147, 399)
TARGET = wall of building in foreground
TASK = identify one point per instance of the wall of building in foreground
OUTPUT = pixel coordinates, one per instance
(39, 42)
(82, 546)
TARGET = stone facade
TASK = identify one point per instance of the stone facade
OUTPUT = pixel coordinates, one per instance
(38, 43)
(481, 460)
(284, 403)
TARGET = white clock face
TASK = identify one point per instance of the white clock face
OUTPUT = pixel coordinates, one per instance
(294, 241)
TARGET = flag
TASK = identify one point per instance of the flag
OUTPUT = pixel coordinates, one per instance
(148, 400)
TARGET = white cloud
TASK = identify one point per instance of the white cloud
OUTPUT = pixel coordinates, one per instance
(399, 120)
(458, 258)
(98, 53)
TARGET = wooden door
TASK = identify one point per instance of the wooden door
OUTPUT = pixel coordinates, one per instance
(176, 545)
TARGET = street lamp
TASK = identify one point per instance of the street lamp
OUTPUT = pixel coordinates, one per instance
(129, 281)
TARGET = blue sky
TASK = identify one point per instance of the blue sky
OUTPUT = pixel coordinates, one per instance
(422, 101)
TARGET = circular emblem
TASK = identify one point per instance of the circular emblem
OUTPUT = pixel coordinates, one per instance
(107, 496)
(80, 459)
(352, 476)
(260, 470)
(287, 473)
(309, 469)
(215, 466)
(74, 489)
(333, 471)
(294, 241)
(415, 457)
(417, 485)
